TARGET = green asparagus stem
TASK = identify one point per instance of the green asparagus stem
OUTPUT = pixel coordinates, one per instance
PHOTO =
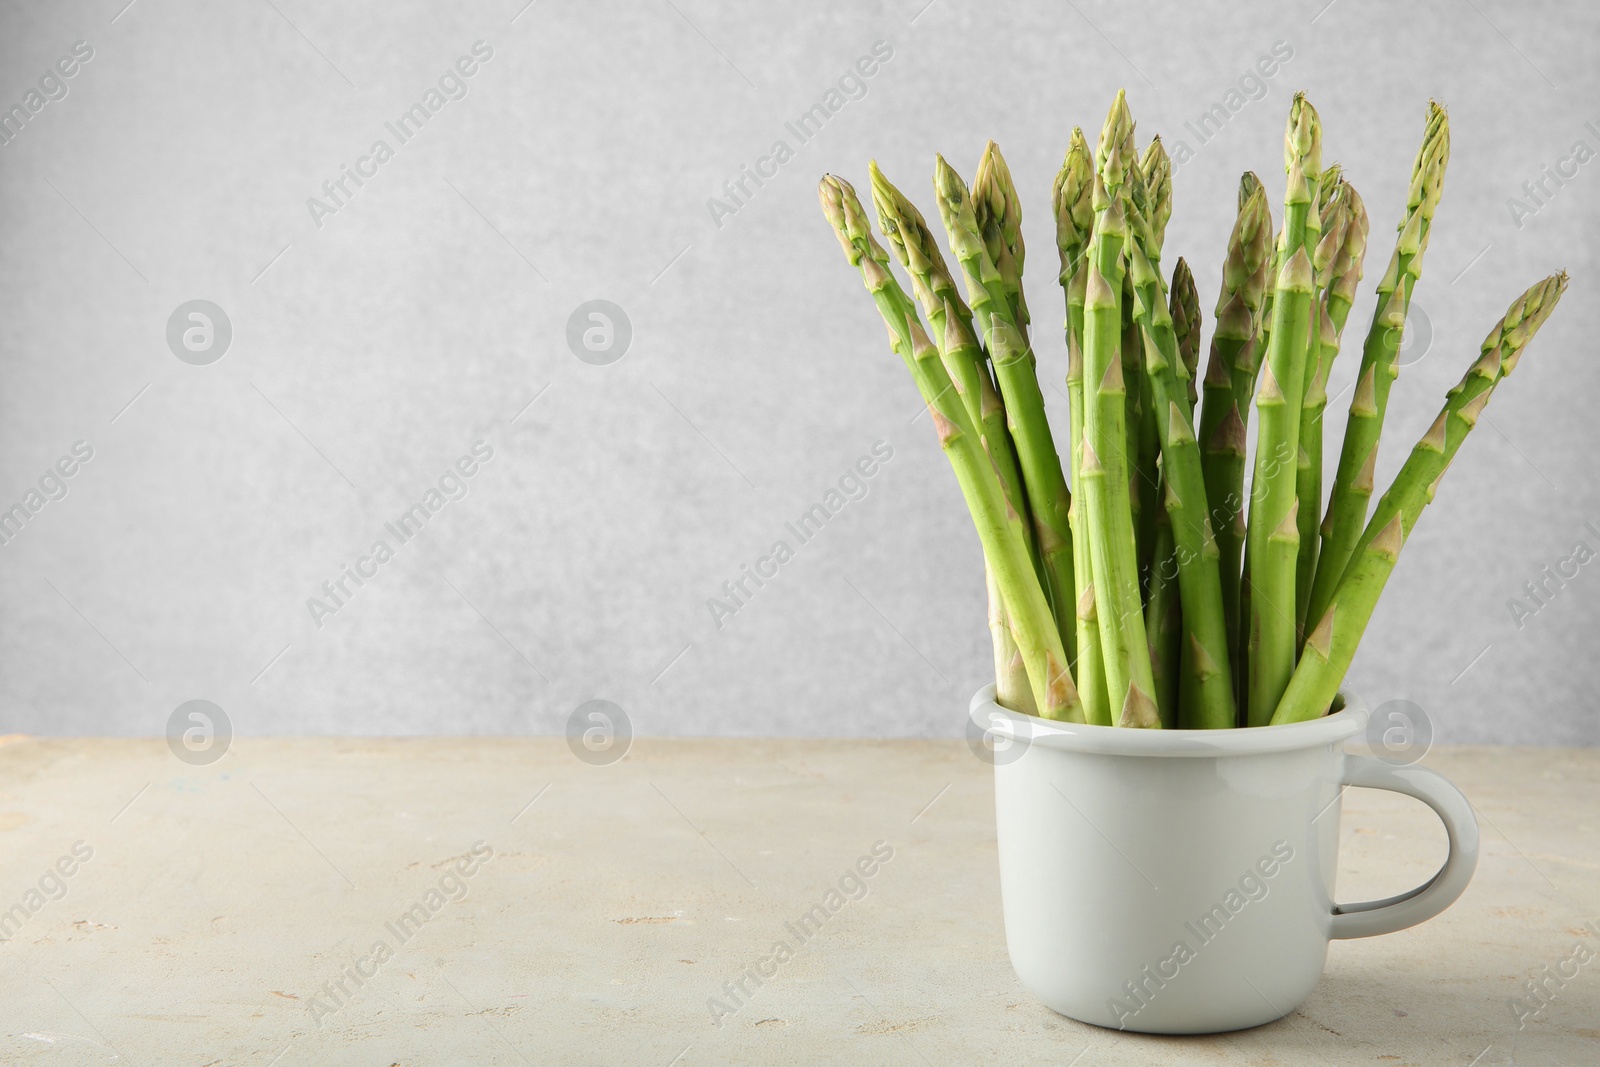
(1273, 529)
(1011, 687)
(1338, 264)
(1306, 131)
(1229, 384)
(1071, 198)
(1332, 644)
(998, 212)
(917, 250)
(1130, 684)
(999, 526)
(1184, 304)
(1045, 486)
(1199, 581)
(1353, 484)
(960, 348)
(1163, 621)
(1144, 441)
(1155, 168)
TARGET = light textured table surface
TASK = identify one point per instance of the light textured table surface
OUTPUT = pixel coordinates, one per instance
(221, 905)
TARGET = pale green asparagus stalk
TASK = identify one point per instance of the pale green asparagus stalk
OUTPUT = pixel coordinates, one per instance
(1184, 304)
(1499, 355)
(1195, 548)
(1338, 264)
(1045, 486)
(1273, 529)
(1332, 643)
(1150, 194)
(1071, 198)
(959, 349)
(1229, 384)
(999, 526)
(1130, 684)
(1011, 686)
(914, 245)
(1353, 484)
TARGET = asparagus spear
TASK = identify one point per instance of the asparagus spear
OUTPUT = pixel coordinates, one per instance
(1352, 485)
(1170, 655)
(1501, 351)
(1332, 644)
(1199, 581)
(998, 212)
(1045, 486)
(1071, 198)
(915, 247)
(1302, 123)
(1243, 395)
(1150, 201)
(1338, 265)
(999, 526)
(1130, 684)
(1150, 195)
(1184, 305)
(1229, 384)
(960, 349)
(1273, 529)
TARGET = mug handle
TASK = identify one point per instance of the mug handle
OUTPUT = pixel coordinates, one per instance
(1372, 917)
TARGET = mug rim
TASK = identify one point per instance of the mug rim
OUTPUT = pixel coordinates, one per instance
(1121, 741)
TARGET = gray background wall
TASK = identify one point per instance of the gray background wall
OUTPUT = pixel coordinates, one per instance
(371, 351)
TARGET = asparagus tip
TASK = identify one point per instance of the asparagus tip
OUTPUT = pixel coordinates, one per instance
(1302, 138)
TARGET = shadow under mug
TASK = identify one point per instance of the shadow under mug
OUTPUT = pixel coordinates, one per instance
(1181, 881)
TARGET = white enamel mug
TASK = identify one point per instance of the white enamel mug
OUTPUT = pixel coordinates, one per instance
(1181, 881)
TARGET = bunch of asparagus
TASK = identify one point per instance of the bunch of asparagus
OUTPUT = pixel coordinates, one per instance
(1149, 590)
